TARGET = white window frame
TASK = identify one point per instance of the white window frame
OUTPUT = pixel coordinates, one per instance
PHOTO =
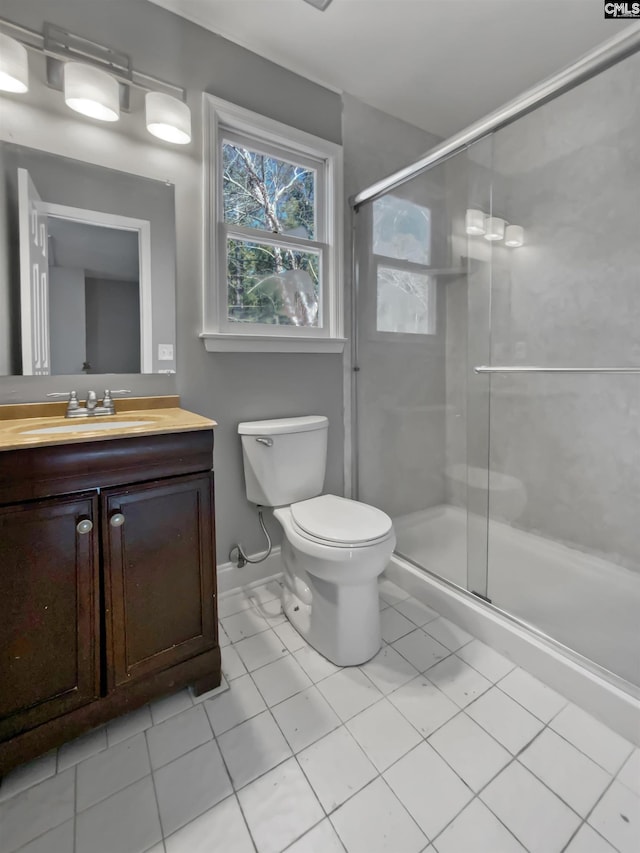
(226, 121)
(432, 285)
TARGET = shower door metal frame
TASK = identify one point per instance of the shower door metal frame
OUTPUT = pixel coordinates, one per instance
(603, 56)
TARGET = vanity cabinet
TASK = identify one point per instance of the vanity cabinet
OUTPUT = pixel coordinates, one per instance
(158, 583)
(49, 589)
(107, 583)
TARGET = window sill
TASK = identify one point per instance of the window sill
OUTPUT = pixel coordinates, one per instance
(214, 342)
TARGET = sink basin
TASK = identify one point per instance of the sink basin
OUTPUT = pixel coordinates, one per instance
(84, 426)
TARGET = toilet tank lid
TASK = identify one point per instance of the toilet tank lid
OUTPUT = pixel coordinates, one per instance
(280, 426)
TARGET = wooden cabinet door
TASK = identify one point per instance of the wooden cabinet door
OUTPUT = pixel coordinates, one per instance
(159, 575)
(49, 618)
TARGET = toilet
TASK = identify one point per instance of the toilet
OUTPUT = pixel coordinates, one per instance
(333, 550)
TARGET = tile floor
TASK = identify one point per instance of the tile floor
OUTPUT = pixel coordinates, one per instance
(439, 744)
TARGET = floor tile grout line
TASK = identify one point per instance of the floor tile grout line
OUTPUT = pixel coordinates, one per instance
(502, 677)
(514, 757)
(311, 828)
(584, 822)
(249, 636)
(250, 606)
(243, 815)
(547, 725)
(476, 639)
(297, 693)
(526, 747)
(595, 805)
(554, 715)
(343, 723)
(421, 672)
(55, 826)
(233, 787)
(377, 772)
(466, 805)
(119, 791)
(75, 809)
(155, 790)
(234, 792)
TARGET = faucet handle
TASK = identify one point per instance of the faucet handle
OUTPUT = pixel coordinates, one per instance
(107, 400)
(72, 398)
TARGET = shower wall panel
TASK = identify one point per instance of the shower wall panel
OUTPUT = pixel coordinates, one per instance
(570, 174)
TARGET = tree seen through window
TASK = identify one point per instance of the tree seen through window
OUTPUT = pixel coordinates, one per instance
(270, 281)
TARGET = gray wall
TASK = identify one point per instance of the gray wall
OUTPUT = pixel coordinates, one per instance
(226, 387)
(569, 173)
(401, 382)
(6, 361)
(67, 320)
(113, 325)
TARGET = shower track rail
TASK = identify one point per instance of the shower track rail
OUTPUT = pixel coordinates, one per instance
(532, 369)
(610, 52)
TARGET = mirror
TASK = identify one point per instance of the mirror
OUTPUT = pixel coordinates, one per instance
(87, 268)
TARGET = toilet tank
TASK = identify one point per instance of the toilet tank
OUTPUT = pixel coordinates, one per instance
(284, 459)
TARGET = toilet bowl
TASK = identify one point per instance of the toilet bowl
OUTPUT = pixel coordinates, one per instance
(334, 548)
(330, 583)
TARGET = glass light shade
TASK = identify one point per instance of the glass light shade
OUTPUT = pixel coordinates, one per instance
(474, 222)
(494, 228)
(14, 66)
(514, 236)
(91, 91)
(168, 118)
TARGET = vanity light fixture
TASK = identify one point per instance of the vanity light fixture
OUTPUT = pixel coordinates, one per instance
(494, 228)
(14, 66)
(168, 118)
(91, 91)
(474, 222)
(96, 80)
(514, 236)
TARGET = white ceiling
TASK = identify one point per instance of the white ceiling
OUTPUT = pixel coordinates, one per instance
(438, 64)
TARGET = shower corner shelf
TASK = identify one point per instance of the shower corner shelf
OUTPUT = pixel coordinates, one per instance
(447, 271)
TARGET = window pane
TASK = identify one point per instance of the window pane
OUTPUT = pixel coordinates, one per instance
(272, 284)
(405, 302)
(401, 229)
(264, 192)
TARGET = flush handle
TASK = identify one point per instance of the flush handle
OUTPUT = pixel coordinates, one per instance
(268, 442)
(117, 519)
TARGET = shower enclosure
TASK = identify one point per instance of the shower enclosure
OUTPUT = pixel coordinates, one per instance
(497, 346)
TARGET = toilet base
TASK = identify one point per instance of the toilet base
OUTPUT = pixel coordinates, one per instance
(341, 622)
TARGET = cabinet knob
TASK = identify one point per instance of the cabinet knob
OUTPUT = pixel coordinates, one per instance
(84, 526)
(117, 519)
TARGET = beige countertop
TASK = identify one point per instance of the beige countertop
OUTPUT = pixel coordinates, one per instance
(159, 415)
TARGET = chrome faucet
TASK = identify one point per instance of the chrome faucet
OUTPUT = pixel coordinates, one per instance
(91, 408)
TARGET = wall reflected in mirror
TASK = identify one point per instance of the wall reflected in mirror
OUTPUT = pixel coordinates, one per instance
(87, 268)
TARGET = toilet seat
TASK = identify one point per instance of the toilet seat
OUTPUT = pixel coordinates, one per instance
(340, 522)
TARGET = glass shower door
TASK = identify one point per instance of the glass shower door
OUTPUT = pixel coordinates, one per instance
(411, 357)
(564, 450)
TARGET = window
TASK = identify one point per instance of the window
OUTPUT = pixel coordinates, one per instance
(274, 204)
(405, 291)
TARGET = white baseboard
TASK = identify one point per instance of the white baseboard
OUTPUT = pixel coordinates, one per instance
(614, 706)
(231, 578)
